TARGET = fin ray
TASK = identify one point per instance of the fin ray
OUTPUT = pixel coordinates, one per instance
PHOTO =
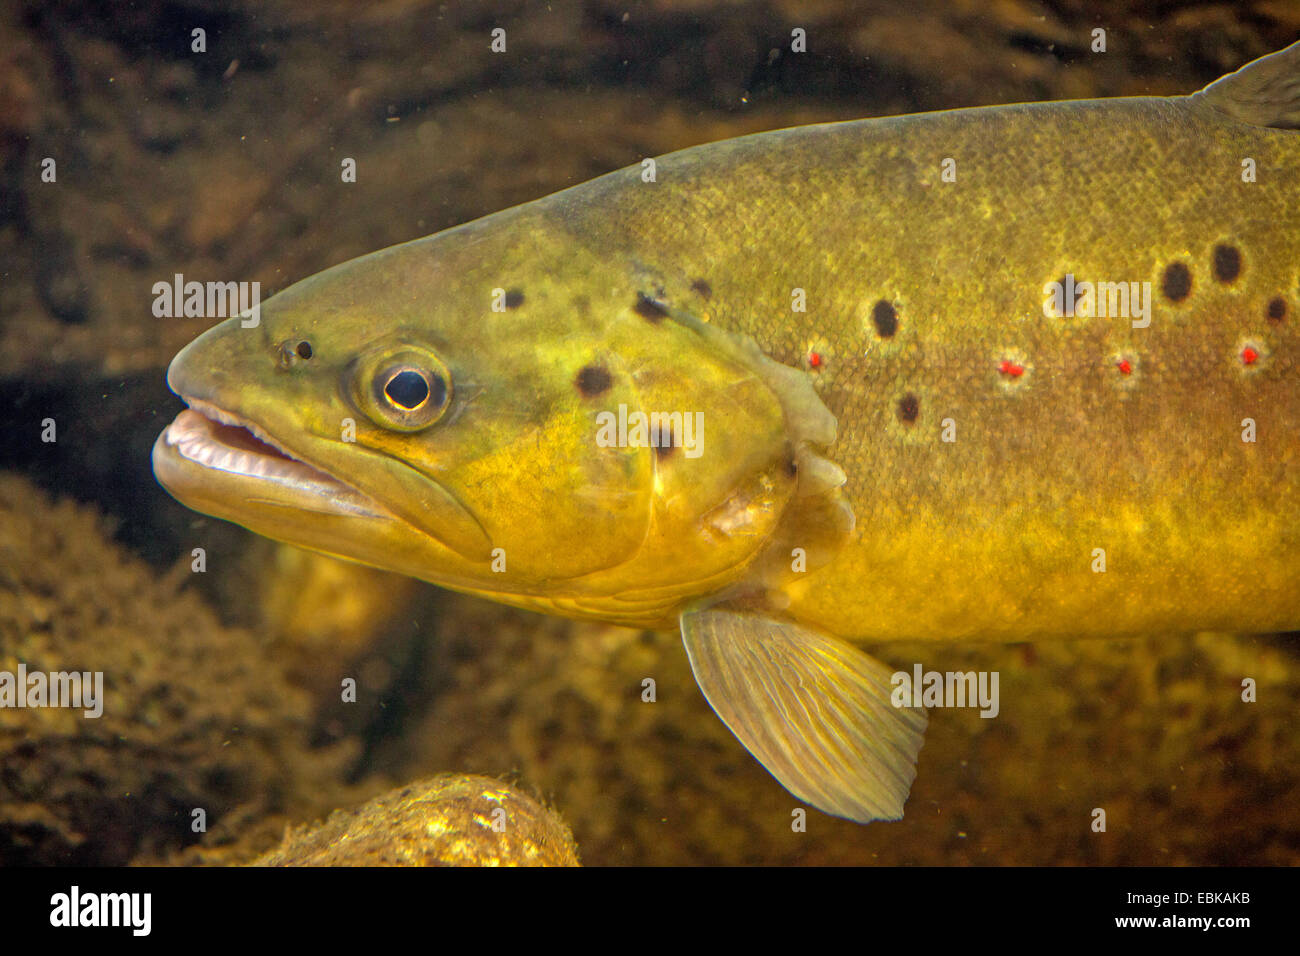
(816, 712)
(1264, 92)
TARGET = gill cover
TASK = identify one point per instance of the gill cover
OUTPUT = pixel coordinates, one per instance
(725, 512)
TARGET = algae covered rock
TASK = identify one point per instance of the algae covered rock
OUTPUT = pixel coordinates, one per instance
(448, 820)
(200, 737)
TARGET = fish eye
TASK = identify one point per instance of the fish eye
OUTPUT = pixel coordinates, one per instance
(409, 392)
(408, 388)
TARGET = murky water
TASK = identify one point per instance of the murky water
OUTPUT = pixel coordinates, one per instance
(246, 685)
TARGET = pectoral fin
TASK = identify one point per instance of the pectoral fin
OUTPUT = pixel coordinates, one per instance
(815, 711)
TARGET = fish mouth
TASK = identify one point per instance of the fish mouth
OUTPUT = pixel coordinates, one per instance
(208, 444)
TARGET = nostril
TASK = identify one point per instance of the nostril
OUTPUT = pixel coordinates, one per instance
(292, 352)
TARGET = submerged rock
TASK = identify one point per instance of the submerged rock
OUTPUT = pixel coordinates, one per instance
(201, 738)
(448, 820)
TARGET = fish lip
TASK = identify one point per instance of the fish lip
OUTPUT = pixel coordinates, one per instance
(207, 374)
(308, 485)
(292, 468)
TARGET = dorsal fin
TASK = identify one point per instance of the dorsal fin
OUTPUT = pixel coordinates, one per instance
(1264, 92)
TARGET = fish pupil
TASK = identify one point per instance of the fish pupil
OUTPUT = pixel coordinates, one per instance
(408, 389)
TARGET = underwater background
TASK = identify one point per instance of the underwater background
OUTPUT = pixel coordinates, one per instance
(223, 687)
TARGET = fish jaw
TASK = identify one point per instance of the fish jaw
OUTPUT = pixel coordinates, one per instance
(214, 457)
(217, 463)
(210, 462)
(207, 456)
(262, 466)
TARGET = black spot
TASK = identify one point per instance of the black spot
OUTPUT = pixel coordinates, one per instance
(909, 407)
(702, 288)
(1227, 262)
(791, 463)
(1276, 311)
(1078, 293)
(665, 444)
(1177, 282)
(304, 350)
(514, 298)
(593, 380)
(886, 318)
(648, 308)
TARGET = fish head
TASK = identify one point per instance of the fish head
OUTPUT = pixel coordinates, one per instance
(477, 409)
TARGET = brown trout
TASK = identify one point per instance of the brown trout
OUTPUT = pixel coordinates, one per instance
(1006, 373)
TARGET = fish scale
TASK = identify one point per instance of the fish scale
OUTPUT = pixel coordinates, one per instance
(992, 535)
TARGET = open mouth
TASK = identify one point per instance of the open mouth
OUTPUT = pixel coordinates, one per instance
(215, 439)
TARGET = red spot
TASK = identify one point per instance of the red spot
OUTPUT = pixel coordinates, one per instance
(1008, 367)
(1125, 367)
(815, 359)
(1249, 356)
